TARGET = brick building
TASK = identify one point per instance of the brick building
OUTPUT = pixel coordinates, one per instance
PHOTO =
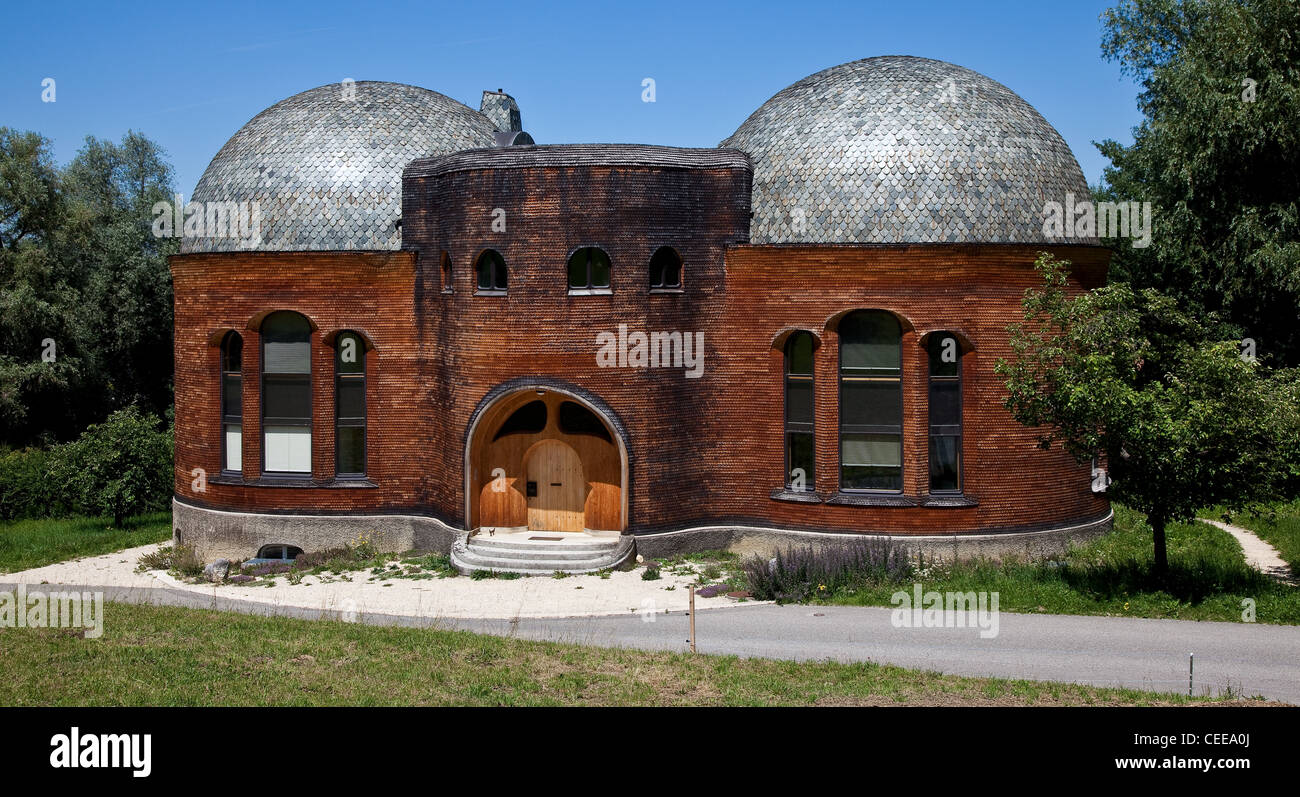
(428, 325)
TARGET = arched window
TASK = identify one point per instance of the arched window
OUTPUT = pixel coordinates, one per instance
(445, 266)
(799, 448)
(871, 402)
(589, 269)
(278, 552)
(350, 405)
(665, 268)
(528, 419)
(491, 269)
(286, 393)
(232, 401)
(577, 419)
(945, 413)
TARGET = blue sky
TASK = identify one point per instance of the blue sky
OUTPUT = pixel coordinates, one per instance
(188, 75)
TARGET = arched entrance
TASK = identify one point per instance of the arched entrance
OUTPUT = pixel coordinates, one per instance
(545, 459)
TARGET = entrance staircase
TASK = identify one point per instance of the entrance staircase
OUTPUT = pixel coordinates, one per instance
(540, 553)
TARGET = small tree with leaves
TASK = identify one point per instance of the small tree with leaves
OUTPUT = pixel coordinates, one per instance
(120, 467)
(1183, 418)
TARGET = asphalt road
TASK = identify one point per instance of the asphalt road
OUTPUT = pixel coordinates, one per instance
(1104, 651)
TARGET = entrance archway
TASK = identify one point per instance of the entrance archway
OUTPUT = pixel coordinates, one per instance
(546, 459)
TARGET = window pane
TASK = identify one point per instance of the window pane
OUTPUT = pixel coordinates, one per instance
(231, 396)
(799, 401)
(351, 398)
(871, 403)
(232, 355)
(871, 449)
(945, 356)
(485, 273)
(945, 459)
(857, 477)
(578, 269)
(288, 358)
(800, 359)
(665, 268)
(287, 398)
(287, 449)
(234, 446)
(799, 454)
(350, 354)
(870, 342)
(599, 269)
(945, 402)
(351, 449)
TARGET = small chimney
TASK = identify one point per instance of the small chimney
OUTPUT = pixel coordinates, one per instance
(502, 110)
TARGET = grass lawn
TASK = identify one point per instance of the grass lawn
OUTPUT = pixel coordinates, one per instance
(1281, 530)
(1208, 579)
(152, 655)
(25, 544)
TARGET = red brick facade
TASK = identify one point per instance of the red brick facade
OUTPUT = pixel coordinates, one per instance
(706, 451)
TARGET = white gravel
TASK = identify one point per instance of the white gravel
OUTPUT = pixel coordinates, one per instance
(459, 597)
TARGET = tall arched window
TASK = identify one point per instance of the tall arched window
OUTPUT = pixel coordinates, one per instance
(232, 402)
(945, 413)
(589, 269)
(350, 405)
(286, 393)
(665, 269)
(491, 268)
(445, 266)
(871, 402)
(799, 438)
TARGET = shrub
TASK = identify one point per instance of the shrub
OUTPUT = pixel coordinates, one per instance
(180, 558)
(26, 489)
(120, 467)
(798, 574)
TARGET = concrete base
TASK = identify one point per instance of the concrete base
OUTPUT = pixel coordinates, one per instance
(225, 534)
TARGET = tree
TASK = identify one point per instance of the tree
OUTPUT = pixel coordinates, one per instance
(1217, 154)
(121, 467)
(1183, 420)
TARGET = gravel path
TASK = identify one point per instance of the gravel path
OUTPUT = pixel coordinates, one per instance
(1259, 554)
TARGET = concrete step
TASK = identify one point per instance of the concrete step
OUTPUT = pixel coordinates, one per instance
(593, 546)
(539, 558)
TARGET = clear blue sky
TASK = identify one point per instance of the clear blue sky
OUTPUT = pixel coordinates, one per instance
(188, 75)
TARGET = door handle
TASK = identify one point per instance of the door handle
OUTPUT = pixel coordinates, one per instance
(556, 484)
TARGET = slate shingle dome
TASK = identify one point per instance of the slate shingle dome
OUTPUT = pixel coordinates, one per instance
(900, 149)
(326, 171)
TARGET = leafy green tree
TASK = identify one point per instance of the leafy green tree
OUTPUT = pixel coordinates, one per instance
(1217, 154)
(121, 467)
(1183, 420)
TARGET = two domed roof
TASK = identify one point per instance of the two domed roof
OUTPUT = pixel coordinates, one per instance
(898, 149)
(325, 166)
(894, 149)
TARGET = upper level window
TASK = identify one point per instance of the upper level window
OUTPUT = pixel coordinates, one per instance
(445, 266)
(799, 448)
(945, 414)
(350, 405)
(577, 419)
(491, 268)
(589, 269)
(286, 393)
(665, 268)
(528, 419)
(232, 401)
(871, 402)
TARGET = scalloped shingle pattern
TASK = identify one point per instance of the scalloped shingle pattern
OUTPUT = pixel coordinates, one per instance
(899, 149)
(326, 171)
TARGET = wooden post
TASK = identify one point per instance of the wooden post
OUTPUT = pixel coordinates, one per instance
(692, 619)
(1191, 665)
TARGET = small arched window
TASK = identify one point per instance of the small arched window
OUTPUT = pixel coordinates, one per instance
(445, 266)
(577, 419)
(665, 269)
(491, 268)
(286, 393)
(277, 552)
(528, 419)
(799, 437)
(232, 402)
(350, 405)
(871, 402)
(945, 413)
(589, 269)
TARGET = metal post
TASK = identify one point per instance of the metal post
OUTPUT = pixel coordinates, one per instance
(1191, 662)
(692, 619)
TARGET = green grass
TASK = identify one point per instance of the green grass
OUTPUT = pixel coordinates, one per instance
(153, 655)
(1279, 526)
(1208, 579)
(25, 544)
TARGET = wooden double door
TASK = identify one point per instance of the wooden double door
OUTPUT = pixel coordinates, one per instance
(555, 489)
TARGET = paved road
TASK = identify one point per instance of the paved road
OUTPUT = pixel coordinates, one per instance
(1104, 651)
